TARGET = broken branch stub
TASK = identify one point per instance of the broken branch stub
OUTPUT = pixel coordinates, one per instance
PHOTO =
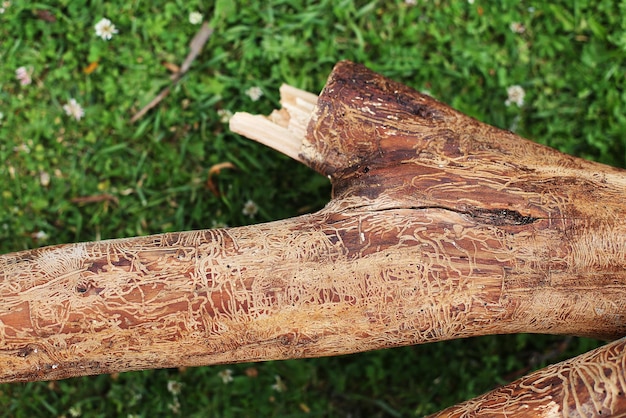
(439, 227)
(507, 235)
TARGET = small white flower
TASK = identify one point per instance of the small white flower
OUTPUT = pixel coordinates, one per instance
(224, 115)
(44, 178)
(174, 406)
(5, 6)
(22, 148)
(195, 18)
(39, 235)
(516, 95)
(250, 208)
(254, 93)
(279, 386)
(517, 27)
(226, 375)
(73, 109)
(1, 117)
(410, 2)
(105, 29)
(174, 387)
(23, 75)
(75, 411)
(470, 1)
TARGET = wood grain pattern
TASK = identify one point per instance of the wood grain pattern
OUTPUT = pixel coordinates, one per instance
(439, 227)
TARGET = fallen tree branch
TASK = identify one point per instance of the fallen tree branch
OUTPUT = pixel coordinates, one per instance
(439, 227)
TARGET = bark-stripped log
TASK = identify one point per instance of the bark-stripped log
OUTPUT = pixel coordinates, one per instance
(439, 227)
(590, 385)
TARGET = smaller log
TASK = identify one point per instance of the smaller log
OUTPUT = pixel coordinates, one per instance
(592, 384)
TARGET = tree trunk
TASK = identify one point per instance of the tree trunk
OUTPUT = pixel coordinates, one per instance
(439, 227)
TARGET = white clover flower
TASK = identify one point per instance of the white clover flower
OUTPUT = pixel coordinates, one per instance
(224, 115)
(279, 386)
(44, 178)
(174, 406)
(250, 208)
(75, 411)
(195, 18)
(226, 375)
(174, 387)
(39, 235)
(517, 27)
(22, 148)
(23, 75)
(73, 109)
(254, 93)
(515, 95)
(105, 29)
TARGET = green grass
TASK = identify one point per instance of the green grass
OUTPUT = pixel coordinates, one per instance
(570, 60)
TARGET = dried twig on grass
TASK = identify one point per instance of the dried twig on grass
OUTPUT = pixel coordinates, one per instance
(195, 46)
(105, 197)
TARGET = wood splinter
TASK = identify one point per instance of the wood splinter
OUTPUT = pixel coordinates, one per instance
(439, 227)
(283, 130)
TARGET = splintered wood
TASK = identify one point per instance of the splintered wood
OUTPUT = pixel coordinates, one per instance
(283, 130)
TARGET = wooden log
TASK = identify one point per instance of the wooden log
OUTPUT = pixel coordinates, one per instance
(439, 227)
(590, 385)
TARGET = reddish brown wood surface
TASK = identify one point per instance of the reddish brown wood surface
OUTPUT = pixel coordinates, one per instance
(439, 227)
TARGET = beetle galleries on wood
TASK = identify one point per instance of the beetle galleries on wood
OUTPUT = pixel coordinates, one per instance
(590, 385)
(439, 227)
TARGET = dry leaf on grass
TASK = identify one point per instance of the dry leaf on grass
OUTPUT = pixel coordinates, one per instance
(214, 171)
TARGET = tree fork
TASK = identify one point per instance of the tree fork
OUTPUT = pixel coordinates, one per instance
(439, 227)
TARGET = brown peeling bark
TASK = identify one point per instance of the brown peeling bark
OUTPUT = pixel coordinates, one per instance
(439, 227)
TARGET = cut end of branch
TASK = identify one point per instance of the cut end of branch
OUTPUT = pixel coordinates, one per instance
(284, 129)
